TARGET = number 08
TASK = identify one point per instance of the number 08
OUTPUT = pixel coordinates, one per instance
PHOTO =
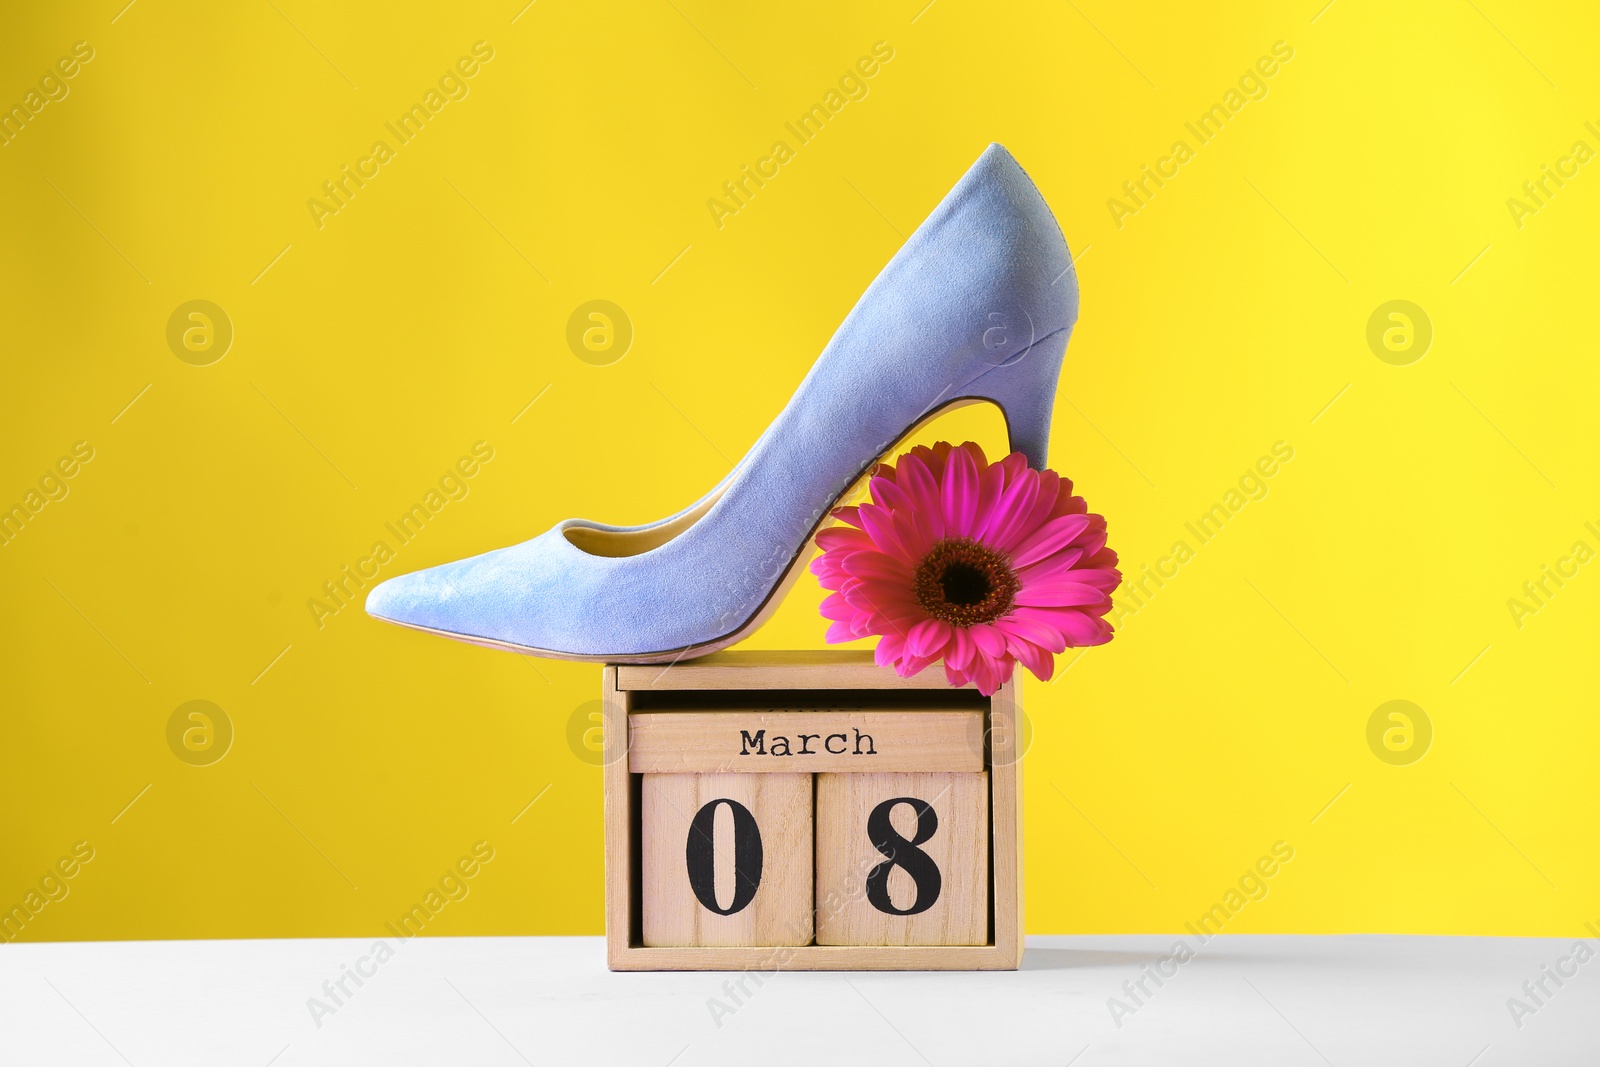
(700, 853)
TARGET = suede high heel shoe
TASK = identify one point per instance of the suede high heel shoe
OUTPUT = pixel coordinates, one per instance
(976, 306)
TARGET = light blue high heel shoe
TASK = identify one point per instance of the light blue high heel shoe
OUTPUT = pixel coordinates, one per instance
(977, 306)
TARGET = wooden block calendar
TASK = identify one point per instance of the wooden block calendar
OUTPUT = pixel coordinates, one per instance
(809, 811)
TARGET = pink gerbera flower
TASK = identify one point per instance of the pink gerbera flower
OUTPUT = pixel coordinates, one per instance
(981, 565)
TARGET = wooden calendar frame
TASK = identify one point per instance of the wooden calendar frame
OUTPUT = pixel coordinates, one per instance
(810, 673)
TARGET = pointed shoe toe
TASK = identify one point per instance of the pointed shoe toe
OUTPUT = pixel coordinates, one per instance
(496, 598)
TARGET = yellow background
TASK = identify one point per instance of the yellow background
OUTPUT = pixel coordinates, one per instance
(1228, 314)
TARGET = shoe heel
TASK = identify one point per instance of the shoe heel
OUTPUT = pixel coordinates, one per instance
(1025, 391)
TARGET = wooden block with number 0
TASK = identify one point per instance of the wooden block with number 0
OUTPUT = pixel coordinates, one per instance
(903, 859)
(726, 859)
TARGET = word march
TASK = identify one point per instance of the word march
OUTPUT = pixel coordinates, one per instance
(756, 744)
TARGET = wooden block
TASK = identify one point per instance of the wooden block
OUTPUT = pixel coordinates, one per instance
(810, 670)
(813, 680)
(936, 829)
(726, 859)
(756, 741)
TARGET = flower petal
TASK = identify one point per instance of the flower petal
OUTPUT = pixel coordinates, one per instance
(877, 565)
(990, 642)
(878, 522)
(913, 534)
(991, 485)
(1092, 540)
(1083, 630)
(840, 632)
(928, 638)
(835, 607)
(961, 649)
(1044, 503)
(1066, 503)
(889, 494)
(1057, 594)
(1106, 578)
(1103, 558)
(1053, 536)
(1060, 622)
(959, 493)
(935, 456)
(989, 674)
(1061, 566)
(843, 537)
(1008, 525)
(1036, 659)
(1019, 627)
(924, 493)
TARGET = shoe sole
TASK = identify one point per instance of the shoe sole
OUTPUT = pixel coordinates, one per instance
(768, 606)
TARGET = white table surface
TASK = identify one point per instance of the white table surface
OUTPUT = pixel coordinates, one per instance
(1242, 1000)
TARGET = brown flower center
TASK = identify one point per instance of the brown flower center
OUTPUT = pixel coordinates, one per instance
(964, 582)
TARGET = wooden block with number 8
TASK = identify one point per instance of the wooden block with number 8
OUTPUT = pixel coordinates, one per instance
(903, 859)
(726, 859)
